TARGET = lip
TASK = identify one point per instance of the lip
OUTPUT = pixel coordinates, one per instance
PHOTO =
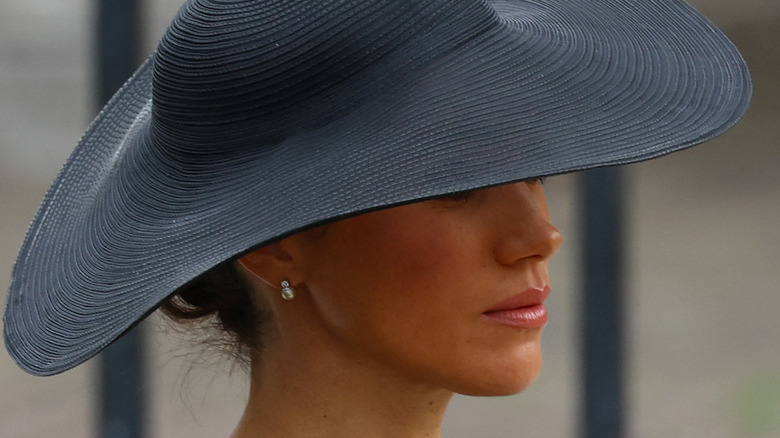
(525, 310)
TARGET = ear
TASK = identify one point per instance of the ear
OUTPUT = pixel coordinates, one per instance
(271, 263)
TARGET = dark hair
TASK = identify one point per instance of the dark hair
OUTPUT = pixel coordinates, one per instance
(219, 300)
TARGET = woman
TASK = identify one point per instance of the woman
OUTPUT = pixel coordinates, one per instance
(439, 296)
(353, 190)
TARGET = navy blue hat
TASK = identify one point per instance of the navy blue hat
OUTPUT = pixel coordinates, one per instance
(254, 120)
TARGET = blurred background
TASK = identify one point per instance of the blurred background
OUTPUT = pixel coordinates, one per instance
(703, 336)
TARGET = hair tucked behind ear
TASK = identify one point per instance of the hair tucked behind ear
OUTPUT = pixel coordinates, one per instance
(220, 299)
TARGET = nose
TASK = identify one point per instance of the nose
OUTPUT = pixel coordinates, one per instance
(524, 226)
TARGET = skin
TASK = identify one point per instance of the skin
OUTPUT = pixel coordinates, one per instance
(388, 323)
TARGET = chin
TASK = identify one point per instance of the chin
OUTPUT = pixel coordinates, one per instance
(503, 388)
(518, 385)
(509, 379)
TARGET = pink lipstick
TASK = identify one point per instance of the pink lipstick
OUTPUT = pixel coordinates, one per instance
(525, 310)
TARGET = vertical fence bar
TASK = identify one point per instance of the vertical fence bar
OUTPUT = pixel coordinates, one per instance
(602, 353)
(117, 55)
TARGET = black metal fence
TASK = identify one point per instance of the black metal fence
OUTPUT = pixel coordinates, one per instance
(117, 55)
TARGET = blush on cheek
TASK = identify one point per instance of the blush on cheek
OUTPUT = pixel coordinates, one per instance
(418, 260)
(413, 254)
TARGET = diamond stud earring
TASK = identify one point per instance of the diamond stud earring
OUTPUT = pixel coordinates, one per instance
(288, 292)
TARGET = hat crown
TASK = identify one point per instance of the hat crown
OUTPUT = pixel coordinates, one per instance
(269, 69)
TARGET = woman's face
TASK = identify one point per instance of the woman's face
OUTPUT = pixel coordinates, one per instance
(445, 292)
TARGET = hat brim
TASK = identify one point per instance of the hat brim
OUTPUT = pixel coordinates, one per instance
(125, 225)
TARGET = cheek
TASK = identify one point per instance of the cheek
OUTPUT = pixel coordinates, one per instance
(402, 287)
(388, 272)
(415, 260)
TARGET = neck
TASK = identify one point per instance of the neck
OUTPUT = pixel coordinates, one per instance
(321, 393)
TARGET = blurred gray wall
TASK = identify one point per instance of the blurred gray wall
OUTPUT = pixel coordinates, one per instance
(704, 338)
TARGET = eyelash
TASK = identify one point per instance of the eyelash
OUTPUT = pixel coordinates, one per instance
(537, 180)
(459, 197)
(464, 196)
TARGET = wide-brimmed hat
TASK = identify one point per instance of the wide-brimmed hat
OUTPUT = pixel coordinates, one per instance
(254, 120)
